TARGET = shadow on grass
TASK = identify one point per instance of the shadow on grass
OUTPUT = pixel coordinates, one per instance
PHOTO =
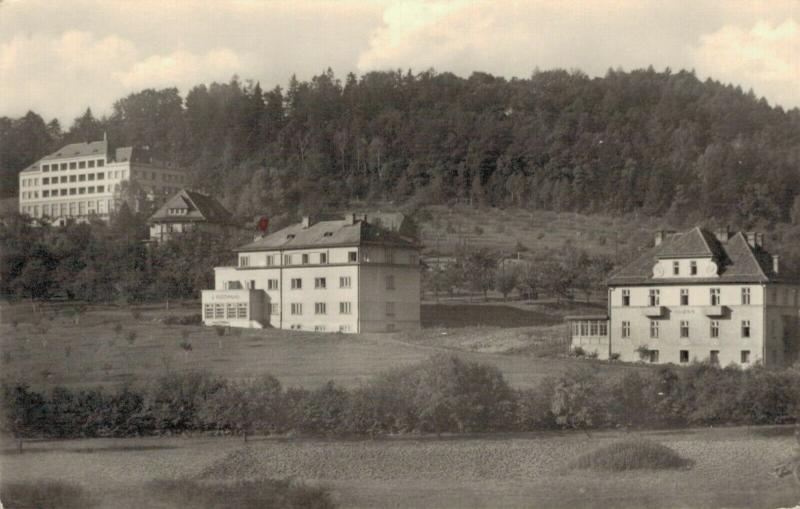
(45, 494)
(253, 494)
(632, 454)
(471, 315)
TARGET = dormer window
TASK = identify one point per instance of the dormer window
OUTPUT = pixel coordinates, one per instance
(676, 268)
(327, 234)
(693, 268)
(290, 236)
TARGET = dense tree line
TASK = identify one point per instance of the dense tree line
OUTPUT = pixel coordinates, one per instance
(660, 143)
(99, 262)
(442, 395)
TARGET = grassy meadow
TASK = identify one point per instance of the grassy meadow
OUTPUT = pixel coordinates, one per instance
(443, 229)
(727, 467)
(110, 346)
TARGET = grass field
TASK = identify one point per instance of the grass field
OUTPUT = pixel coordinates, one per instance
(731, 468)
(48, 347)
(501, 229)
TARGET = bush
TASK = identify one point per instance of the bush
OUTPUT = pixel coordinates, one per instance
(45, 494)
(615, 356)
(322, 411)
(173, 400)
(634, 454)
(578, 352)
(287, 494)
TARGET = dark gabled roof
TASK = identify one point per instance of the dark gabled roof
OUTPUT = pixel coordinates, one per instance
(738, 261)
(344, 232)
(201, 208)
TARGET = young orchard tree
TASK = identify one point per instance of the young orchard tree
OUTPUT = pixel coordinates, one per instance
(505, 281)
(479, 270)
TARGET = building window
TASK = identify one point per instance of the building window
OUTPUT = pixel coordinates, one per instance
(344, 282)
(208, 311)
(45, 193)
(676, 268)
(684, 328)
(684, 296)
(101, 162)
(241, 310)
(91, 189)
(319, 328)
(297, 308)
(63, 166)
(745, 356)
(219, 311)
(45, 181)
(91, 164)
(593, 328)
(626, 297)
(604, 328)
(390, 309)
(344, 308)
(81, 165)
(251, 285)
(745, 296)
(684, 356)
(654, 329)
(320, 308)
(100, 189)
(693, 268)
(715, 300)
(584, 328)
(390, 282)
(272, 284)
(323, 258)
(653, 356)
(270, 260)
(305, 259)
(320, 283)
(81, 178)
(275, 308)
(45, 167)
(287, 259)
(352, 256)
(626, 329)
(90, 176)
(81, 190)
(344, 328)
(745, 328)
(714, 328)
(297, 283)
(713, 357)
(73, 166)
(244, 261)
(655, 297)
(64, 179)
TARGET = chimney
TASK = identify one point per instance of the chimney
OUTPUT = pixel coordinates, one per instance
(306, 221)
(775, 264)
(351, 218)
(722, 234)
(662, 236)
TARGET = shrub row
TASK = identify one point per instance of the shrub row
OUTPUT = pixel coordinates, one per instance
(443, 394)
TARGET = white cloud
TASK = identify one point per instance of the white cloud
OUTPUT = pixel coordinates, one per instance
(766, 57)
(181, 68)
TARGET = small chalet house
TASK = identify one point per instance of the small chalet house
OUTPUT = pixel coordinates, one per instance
(699, 295)
(189, 211)
(328, 276)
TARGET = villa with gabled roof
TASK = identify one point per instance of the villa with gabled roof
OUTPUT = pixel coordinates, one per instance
(190, 211)
(697, 296)
(344, 275)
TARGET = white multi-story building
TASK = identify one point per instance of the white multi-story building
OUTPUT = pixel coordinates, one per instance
(698, 296)
(82, 180)
(332, 276)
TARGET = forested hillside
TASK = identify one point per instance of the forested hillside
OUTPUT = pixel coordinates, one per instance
(657, 143)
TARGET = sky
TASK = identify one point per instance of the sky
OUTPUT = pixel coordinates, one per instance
(58, 57)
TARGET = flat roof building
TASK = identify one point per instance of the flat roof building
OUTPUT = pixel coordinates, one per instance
(330, 276)
(698, 296)
(83, 180)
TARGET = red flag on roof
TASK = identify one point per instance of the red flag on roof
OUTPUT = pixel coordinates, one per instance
(263, 224)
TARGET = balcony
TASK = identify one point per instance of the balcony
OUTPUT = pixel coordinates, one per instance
(654, 311)
(714, 311)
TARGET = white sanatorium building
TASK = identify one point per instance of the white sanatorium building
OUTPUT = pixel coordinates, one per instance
(699, 295)
(335, 276)
(82, 180)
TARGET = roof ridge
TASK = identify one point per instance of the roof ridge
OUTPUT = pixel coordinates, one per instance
(752, 254)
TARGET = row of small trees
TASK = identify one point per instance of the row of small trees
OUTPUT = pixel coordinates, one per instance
(558, 273)
(443, 394)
